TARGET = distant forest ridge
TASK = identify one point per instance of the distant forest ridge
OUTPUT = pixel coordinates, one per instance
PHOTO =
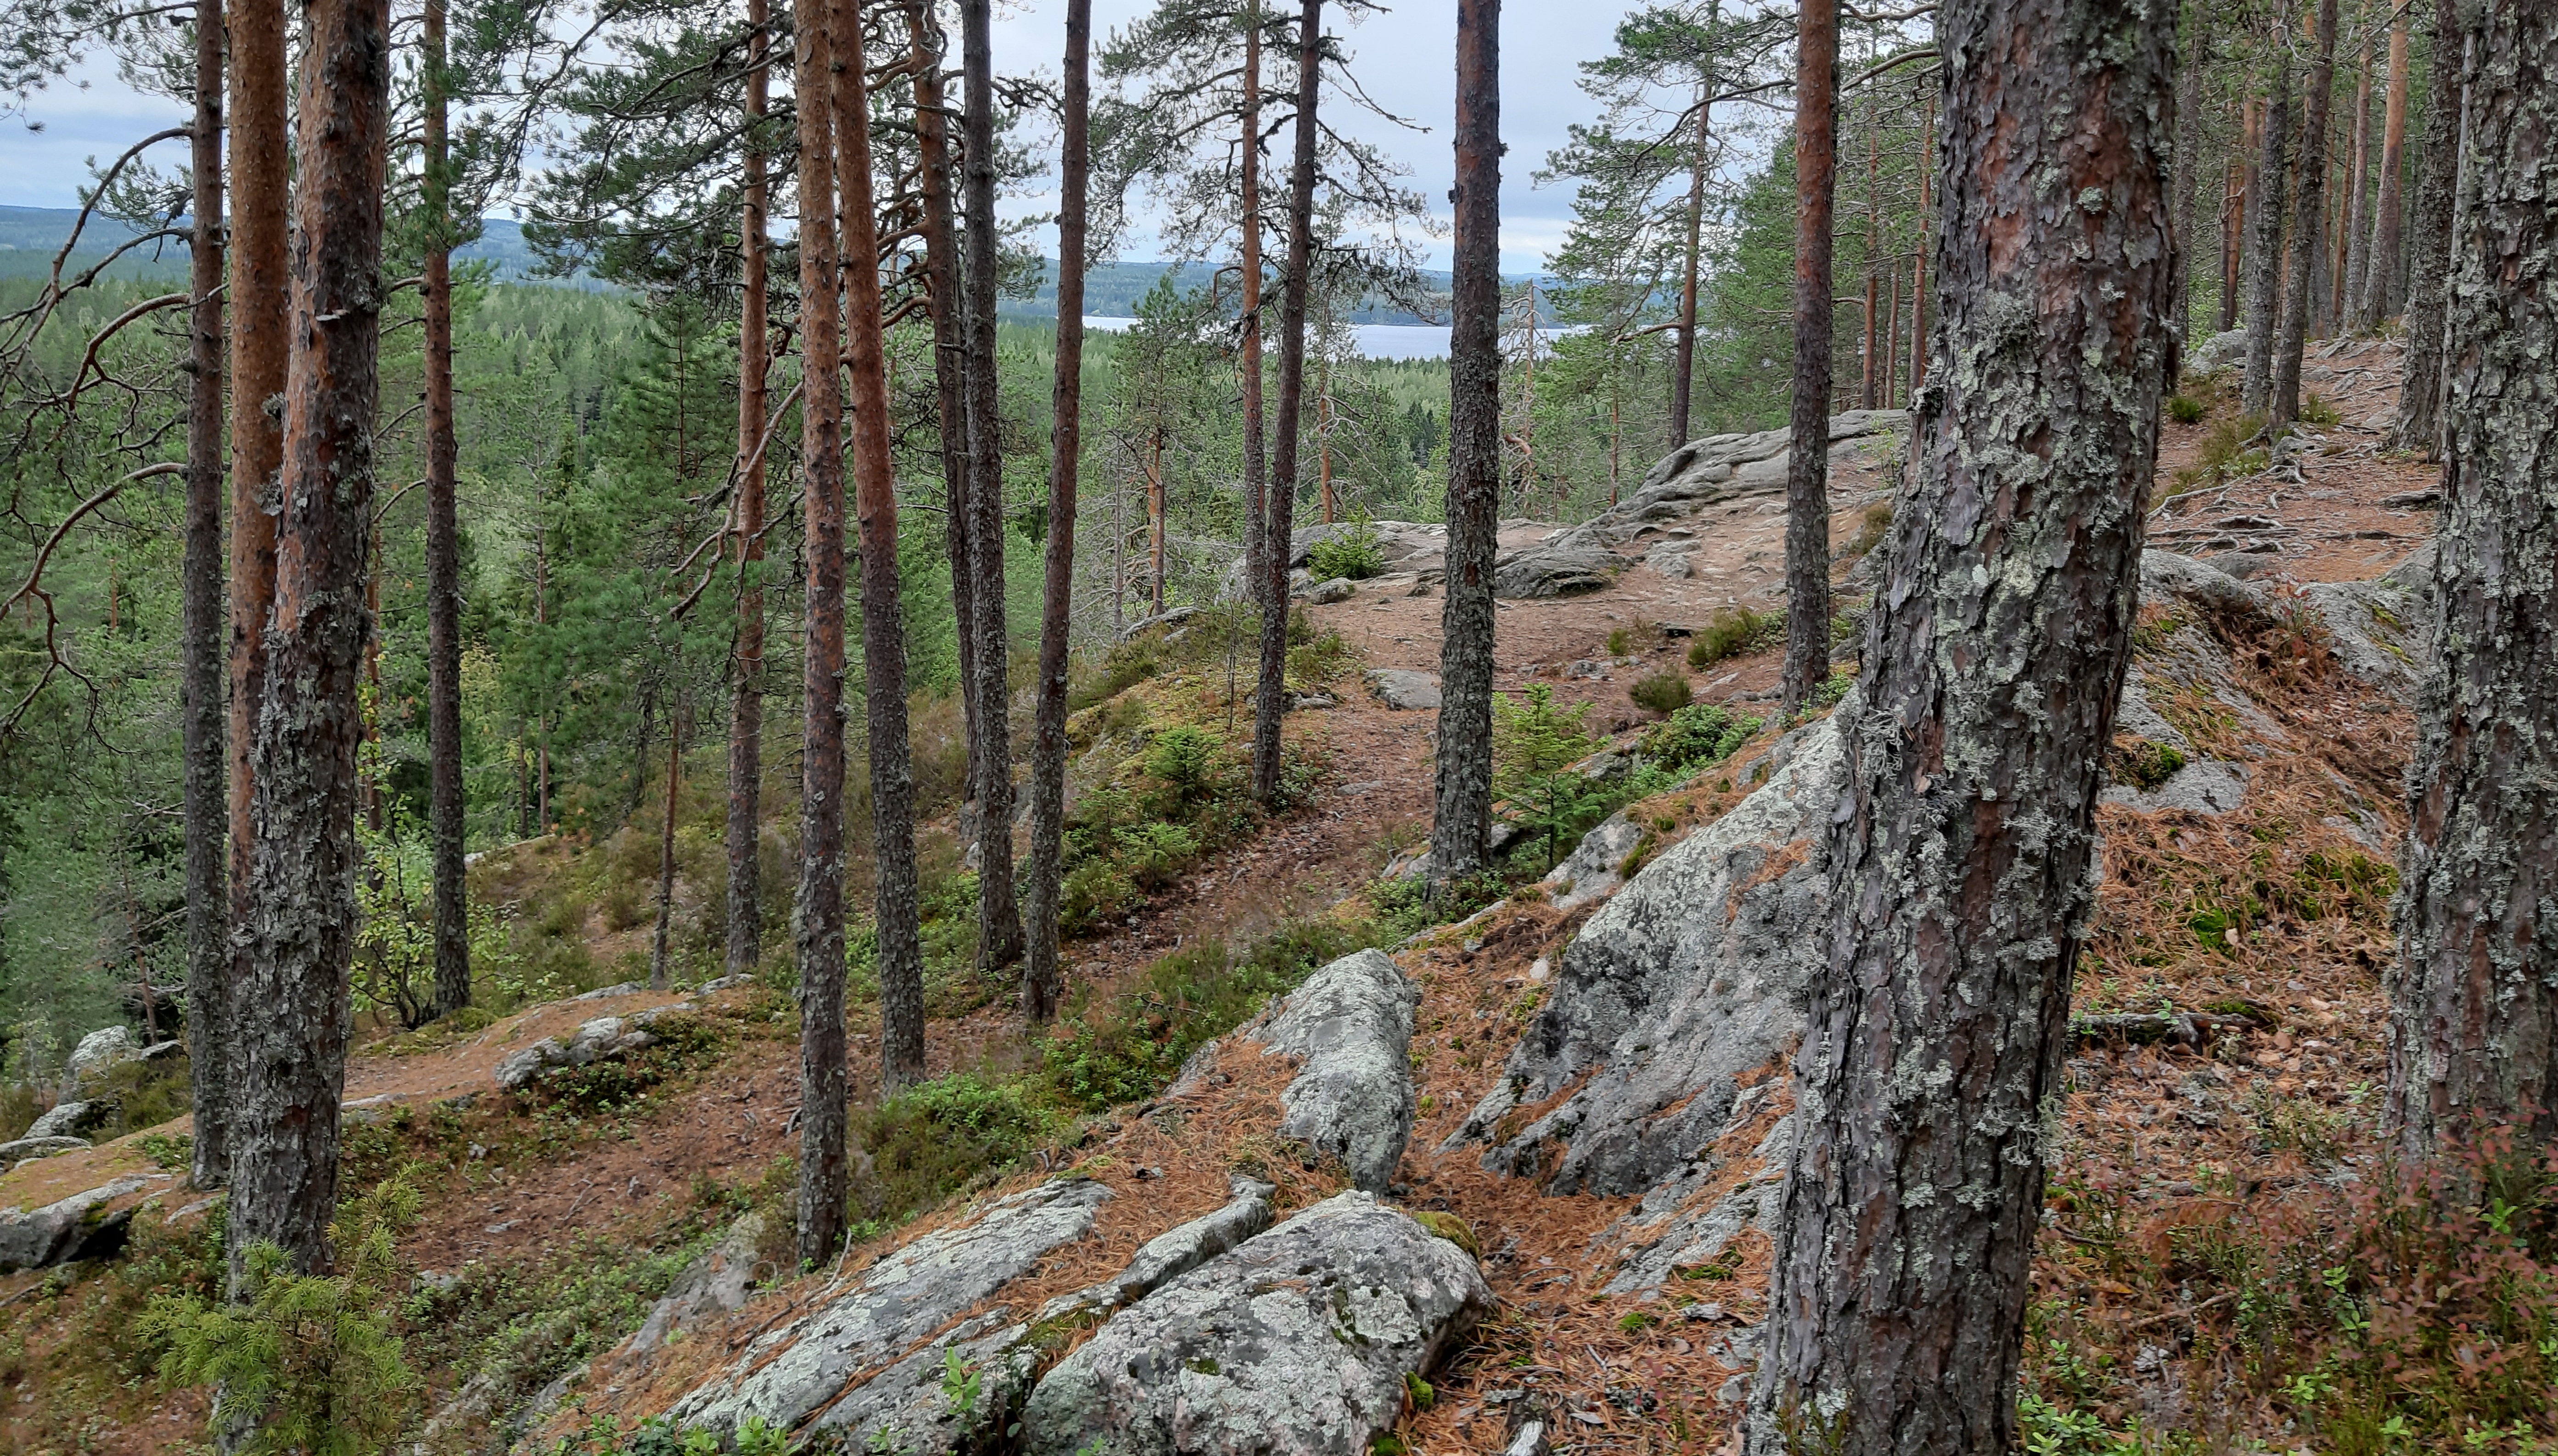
(29, 237)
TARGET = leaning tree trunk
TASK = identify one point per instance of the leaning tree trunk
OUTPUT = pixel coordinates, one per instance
(1043, 981)
(1462, 823)
(2265, 234)
(2309, 232)
(2381, 278)
(746, 701)
(300, 934)
(2420, 384)
(949, 352)
(261, 193)
(1958, 862)
(443, 552)
(2475, 1034)
(999, 918)
(207, 891)
(817, 920)
(1808, 463)
(1270, 692)
(898, 918)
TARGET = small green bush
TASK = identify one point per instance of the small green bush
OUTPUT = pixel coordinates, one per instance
(2315, 410)
(1183, 757)
(931, 1140)
(1620, 642)
(1736, 632)
(1696, 734)
(1662, 692)
(1355, 551)
(2145, 765)
(2184, 409)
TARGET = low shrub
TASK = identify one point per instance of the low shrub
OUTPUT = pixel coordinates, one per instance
(2185, 409)
(1664, 693)
(1736, 632)
(931, 1140)
(1695, 735)
(1355, 551)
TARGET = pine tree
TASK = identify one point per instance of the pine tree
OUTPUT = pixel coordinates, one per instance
(1807, 466)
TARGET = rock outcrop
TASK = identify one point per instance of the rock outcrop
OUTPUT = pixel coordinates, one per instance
(83, 1226)
(596, 1040)
(25, 1150)
(791, 1374)
(1175, 1252)
(1296, 1344)
(72, 1120)
(1405, 689)
(1351, 1024)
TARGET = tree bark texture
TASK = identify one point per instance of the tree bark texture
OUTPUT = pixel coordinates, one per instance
(1248, 344)
(2309, 226)
(207, 825)
(2265, 224)
(660, 972)
(897, 912)
(2188, 156)
(746, 700)
(1270, 694)
(260, 185)
(1807, 464)
(2475, 1039)
(443, 551)
(1043, 979)
(2380, 278)
(2357, 233)
(2429, 234)
(999, 918)
(1959, 860)
(817, 917)
(949, 350)
(1683, 362)
(1463, 818)
(301, 929)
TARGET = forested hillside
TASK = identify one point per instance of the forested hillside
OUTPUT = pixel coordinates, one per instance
(649, 805)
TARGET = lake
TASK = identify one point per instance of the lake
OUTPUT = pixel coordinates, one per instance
(1376, 340)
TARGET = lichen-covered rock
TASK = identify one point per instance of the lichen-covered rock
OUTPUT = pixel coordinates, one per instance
(790, 1374)
(1352, 1025)
(1176, 1250)
(1555, 570)
(717, 1281)
(1405, 689)
(2381, 629)
(25, 1149)
(82, 1226)
(107, 1047)
(909, 1409)
(72, 1120)
(1296, 1344)
(598, 1039)
(1693, 975)
(1590, 870)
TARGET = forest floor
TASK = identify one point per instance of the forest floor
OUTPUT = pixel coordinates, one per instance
(546, 1223)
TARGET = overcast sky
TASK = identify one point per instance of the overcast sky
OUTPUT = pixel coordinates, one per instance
(1405, 57)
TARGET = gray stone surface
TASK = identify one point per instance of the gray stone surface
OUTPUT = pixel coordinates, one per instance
(2206, 786)
(79, 1227)
(908, 1411)
(1405, 689)
(1294, 1344)
(790, 1374)
(1590, 870)
(2218, 353)
(26, 1148)
(717, 1283)
(71, 1119)
(1693, 975)
(598, 1039)
(2382, 630)
(100, 1049)
(1555, 571)
(1351, 1024)
(1325, 592)
(1175, 1252)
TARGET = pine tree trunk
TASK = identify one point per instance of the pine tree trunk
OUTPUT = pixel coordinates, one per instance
(660, 973)
(1270, 692)
(2188, 157)
(208, 889)
(1807, 465)
(1247, 347)
(1043, 979)
(1155, 506)
(2309, 230)
(2251, 198)
(443, 552)
(2357, 233)
(999, 918)
(261, 193)
(1691, 256)
(300, 933)
(1958, 862)
(1868, 398)
(746, 701)
(1919, 263)
(2379, 280)
(817, 919)
(2429, 243)
(2475, 1036)
(1462, 817)
(949, 353)
(2265, 230)
(898, 917)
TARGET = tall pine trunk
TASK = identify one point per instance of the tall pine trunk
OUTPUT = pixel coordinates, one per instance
(999, 918)
(443, 550)
(2475, 1036)
(1958, 860)
(1247, 346)
(2357, 234)
(2380, 278)
(1462, 817)
(746, 701)
(261, 196)
(2188, 157)
(2429, 237)
(949, 351)
(2309, 226)
(1270, 691)
(817, 919)
(660, 973)
(1691, 253)
(2265, 224)
(1807, 464)
(300, 934)
(1043, 979)
(208, 889)
(898, 914)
